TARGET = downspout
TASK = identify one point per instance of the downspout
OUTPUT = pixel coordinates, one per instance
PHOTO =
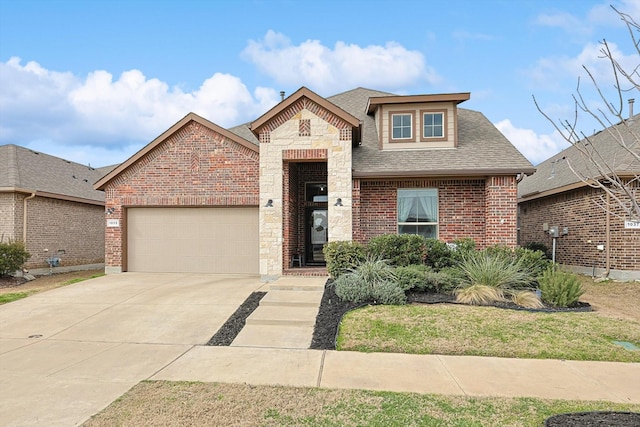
(608, 238)
(24, 217)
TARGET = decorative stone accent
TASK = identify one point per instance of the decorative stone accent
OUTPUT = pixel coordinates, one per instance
(287, 144)
(305, 127)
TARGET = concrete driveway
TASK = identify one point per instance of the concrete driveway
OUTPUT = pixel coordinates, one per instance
(68, 353)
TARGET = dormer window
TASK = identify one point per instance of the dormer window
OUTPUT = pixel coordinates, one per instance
(433, 125)
(402, 126)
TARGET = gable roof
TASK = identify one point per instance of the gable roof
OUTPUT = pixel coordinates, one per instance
(294, 97)
(482, 149)
(166, 135)
(27, 171)
(554, 174)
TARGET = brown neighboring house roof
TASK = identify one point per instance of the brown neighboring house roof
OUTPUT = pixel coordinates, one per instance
(27, 171)
(482, 149)
(166, 135)
(554, 174)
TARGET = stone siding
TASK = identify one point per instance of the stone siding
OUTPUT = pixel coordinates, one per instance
(323, 137)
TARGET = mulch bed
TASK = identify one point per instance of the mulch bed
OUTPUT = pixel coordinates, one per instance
(234, 324)
(594, 419)
(11, 282)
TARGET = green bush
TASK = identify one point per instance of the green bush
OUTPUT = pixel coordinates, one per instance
(411, 276)
(398, 249)
(438, 254)
(388, 292)
(342, 256)
(372, 280)
(351, 288)
(535, 262)
(538, 246)
(443, 281)
(495, 269)
(461, 247)
(13, 255)
(560, 288)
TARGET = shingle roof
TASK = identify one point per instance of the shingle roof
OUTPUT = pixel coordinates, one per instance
(554, 173)
(23, 169)
(482, 148)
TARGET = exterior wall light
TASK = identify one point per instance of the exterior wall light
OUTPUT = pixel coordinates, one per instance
(269, 203)
(110, 211)
(338, 202)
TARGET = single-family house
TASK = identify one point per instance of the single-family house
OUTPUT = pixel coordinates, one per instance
(593, 234)
(50, 204)
(261, 197)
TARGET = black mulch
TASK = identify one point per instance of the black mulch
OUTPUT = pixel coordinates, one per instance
(594, 419)
(234, 324)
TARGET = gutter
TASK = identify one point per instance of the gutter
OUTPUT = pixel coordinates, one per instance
(440, 173)
(24, 217)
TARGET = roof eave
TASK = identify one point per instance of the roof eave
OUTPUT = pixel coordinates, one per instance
(441, 173)
(375, 101)
(294, 97)
(49, 195)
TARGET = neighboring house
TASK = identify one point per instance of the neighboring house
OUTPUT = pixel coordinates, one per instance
(592, 238)
(349, 167)
(50, 204)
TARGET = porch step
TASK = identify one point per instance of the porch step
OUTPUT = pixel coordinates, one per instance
(298, 284)
(288, 298)
(283, 316)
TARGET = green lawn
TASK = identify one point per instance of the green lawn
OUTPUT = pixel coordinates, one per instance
(488, 331)
(180, 403)
(14, 296)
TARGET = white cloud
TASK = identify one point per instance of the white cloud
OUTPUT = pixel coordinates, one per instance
(534, 147)
(342, 67)
(568, 22)
(72, 114)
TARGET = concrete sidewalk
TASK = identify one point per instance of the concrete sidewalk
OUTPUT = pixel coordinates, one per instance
(68, 353)
(452, 375)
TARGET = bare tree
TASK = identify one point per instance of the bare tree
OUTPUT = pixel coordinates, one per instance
(613, 167)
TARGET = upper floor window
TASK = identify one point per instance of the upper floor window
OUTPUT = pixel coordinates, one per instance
(433, 125)
(402, 126)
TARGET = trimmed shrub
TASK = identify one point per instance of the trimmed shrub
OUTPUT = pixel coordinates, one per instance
(372, 280)
(342, 256)
(460, 248)
(560, 288)
(13, 255)
(438, 254)
(411, 276)
(388, 292)
(439, 281)
(533, 260)
(351, 288)
(479, 294)
(398, 249)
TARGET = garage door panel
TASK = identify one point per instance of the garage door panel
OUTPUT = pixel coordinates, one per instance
(203, 240)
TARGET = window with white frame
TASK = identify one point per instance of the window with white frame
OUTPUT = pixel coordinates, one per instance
(432, 125)
(402, 126)
(418, 211)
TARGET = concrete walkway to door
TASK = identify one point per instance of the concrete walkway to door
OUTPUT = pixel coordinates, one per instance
(68, 353)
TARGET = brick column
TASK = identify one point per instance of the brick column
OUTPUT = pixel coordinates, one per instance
(501, 194)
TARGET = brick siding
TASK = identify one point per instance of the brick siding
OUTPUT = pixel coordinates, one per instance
(586, 222)
(463, 204)
(194, 167)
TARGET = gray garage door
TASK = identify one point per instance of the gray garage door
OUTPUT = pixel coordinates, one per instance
(197, 240)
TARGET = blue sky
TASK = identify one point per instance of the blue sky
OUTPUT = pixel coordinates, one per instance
(95, 81)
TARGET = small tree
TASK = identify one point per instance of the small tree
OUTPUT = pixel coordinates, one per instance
(617, 173)
(13, 255)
